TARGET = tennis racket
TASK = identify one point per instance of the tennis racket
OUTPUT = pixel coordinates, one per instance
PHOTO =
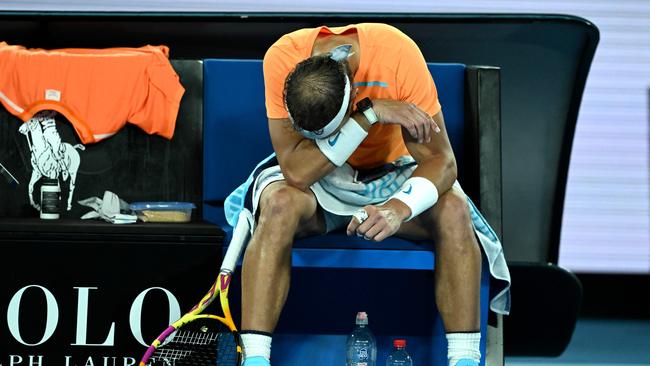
(205, 339)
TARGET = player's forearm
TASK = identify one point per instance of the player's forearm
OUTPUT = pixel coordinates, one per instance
(439, 169)
(305, 165)
(311, 160)
(432, 177)
(436, 160)
(435, 174)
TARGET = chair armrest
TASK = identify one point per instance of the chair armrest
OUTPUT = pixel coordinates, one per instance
(483, 114)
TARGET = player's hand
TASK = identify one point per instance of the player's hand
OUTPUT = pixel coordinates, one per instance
(417, 122)
(381, 222)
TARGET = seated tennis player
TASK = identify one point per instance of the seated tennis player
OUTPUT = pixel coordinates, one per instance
(360, 145)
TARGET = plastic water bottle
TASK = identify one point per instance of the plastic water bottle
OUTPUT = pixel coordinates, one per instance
(399, 357)
(361, 345)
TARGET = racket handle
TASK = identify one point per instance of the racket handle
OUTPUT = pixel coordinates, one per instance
(238, 241)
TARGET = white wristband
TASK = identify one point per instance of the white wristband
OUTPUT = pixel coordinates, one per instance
(341, 145)
(419, 194)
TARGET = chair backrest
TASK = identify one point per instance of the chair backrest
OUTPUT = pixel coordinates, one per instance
(235, 125)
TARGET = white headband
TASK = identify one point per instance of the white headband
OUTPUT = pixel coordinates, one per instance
(338, 54)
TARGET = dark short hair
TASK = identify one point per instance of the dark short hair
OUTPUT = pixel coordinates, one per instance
(313, 91)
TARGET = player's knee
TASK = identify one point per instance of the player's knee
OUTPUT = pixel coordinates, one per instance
(452, 208)
(452, 216)
(281, 201)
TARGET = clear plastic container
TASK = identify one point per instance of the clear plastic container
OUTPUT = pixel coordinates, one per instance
(361, 344)
(399, 356)
(163, 211)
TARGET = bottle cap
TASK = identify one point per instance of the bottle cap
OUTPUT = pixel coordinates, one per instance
(362, 318)
(399, 343)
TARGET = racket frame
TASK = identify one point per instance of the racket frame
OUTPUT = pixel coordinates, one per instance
(220, 286)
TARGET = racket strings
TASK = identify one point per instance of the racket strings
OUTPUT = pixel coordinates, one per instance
(198, 348)
(195, 338)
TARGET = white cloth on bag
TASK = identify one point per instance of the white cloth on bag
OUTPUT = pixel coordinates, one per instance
(108, 208)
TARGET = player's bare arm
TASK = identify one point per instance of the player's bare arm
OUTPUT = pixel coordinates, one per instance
(294, 150)
(435, 158)
(436, 163)
(300, 159)
(419, 125)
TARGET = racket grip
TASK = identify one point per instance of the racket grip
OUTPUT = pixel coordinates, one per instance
(239, 238)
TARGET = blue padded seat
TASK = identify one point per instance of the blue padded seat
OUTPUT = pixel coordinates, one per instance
(236, 138)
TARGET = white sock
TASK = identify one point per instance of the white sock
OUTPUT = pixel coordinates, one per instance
(463, 346)
(256, 345)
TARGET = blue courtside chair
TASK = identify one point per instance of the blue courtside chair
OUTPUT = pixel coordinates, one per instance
(236, 138)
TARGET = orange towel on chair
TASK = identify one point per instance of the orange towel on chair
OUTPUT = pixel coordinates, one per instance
(97, 90)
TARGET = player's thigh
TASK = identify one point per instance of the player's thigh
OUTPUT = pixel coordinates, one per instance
(279, 198)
